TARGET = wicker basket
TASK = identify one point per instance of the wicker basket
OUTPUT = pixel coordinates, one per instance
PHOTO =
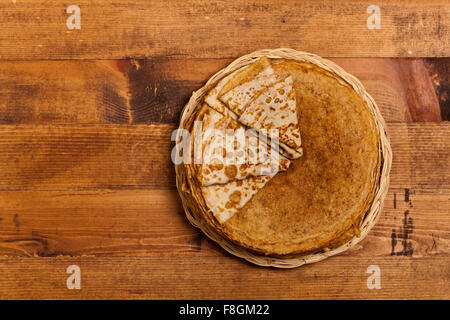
(372, 214)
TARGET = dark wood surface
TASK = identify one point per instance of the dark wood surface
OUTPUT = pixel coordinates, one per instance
(85, 170)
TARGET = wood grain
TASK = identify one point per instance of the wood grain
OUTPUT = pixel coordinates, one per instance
(71, 157)
(420, 155)
(222, 278)
(116, 29)
(54, 92)
(142, 91)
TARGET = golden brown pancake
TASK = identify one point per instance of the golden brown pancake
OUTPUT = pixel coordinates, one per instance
(318, 203)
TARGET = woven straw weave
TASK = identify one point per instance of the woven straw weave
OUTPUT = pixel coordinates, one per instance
(375, 207)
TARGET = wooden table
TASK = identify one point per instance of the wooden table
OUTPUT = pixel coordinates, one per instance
(85, 122)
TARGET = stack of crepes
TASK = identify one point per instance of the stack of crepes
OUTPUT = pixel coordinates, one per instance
(244, 134)
(268, 202)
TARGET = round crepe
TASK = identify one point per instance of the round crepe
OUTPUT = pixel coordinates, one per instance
(320, 200)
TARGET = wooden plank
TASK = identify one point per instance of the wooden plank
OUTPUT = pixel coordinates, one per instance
(116, 29)
(55, 92)
(74, 157)
(100, 222)
(143, 91)
(222, 278)
(97, 92)
(420, 155)
(152, 223)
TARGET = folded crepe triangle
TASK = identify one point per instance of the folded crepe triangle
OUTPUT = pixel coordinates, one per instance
(276, 108)
(226, 200)
(245, 85)
(229, 153)
(237, 91)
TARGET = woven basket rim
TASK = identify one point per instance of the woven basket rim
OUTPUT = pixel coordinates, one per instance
(372, 214)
